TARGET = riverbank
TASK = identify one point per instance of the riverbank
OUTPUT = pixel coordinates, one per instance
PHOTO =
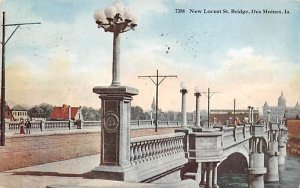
(293, 146)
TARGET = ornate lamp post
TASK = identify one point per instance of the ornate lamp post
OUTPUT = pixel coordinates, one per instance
(115, 102)
(183, 91)
(197, 94)
(116, 19)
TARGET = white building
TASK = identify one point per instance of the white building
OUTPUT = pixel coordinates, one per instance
(281, 110)
(19, 113)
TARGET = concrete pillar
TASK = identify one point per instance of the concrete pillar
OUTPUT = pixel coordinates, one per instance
(199, 173)
(273, 173)
(252, 117)
(197, 94)
(269, 115)
(209, 175)
(272, 166)
(282, 151)
(256, 170)
(281, 169)
(215, 175)
(42, 125)
(203, 174)
(115, 134)
(183, 106)
(249, 114)
(71, 124)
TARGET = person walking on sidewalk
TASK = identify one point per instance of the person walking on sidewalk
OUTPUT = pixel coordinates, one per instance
(28, 126)
(22, 131)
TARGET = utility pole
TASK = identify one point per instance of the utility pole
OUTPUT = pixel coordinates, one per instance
(209, 94)
(157, 83)
(234, 111)
(3, 43)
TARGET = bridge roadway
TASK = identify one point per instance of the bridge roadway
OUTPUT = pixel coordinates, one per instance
(196, 153)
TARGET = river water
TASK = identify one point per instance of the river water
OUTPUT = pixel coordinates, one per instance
(289, 177)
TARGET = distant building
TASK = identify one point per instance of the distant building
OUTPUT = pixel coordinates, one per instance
(66, 112)
(281, 110)
(19, 112)
(8, 114)
(224, 117)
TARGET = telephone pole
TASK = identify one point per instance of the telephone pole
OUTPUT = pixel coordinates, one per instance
(209, 94)
(3, 43)
(234, 111)
(157, 83)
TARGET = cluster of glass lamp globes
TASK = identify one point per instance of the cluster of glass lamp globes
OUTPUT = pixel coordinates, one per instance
(183, 87)
(116, 17)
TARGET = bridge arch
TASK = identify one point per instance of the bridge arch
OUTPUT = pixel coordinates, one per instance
(239, 153)
(230, 165)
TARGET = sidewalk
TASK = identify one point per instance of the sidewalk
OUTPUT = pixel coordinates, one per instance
(69, 172)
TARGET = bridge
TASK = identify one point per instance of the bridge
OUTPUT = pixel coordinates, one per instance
(191, 152)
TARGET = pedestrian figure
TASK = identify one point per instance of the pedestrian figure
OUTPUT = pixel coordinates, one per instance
(22, 131)
(28, 126)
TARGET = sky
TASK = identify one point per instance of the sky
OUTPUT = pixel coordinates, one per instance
(249, 57)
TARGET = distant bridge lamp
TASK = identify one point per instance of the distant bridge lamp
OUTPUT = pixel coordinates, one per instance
(197, 94)
(116, 19)
(183, 91)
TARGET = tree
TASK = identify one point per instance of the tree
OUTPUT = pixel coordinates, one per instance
(90, 114)
(47, 109)
(35, 111)
(137, 113)
(41, 111)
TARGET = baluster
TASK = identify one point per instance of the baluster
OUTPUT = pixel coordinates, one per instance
(157, 149)
(173, 146)
(178, 144)
(143, 151)
(139, 152)
(163, 148)
(152, 150)
(147, 150)
(181, 143)
(135, 153)
(168, 146)
(131, 154)
(157, 146)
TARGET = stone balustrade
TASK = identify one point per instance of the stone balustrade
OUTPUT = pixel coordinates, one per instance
(148, 148)
(91, 124)
(57, 125)
(149, 151)
(137, 124)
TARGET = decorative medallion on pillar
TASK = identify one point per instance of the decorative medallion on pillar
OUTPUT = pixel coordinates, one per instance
(110, 138)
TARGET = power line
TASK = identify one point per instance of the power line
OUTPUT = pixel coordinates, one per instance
(4, 42)
(209, 94)
(157, 83)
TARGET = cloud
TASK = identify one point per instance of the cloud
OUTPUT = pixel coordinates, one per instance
(144, 6)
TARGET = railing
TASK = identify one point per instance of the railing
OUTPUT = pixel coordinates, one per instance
(235, 134)
(36, 125)
(91, 124)
(228, 136)
(64, 125)
(57, 125)
(143, 149)
(13, 126)
(137, 124)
